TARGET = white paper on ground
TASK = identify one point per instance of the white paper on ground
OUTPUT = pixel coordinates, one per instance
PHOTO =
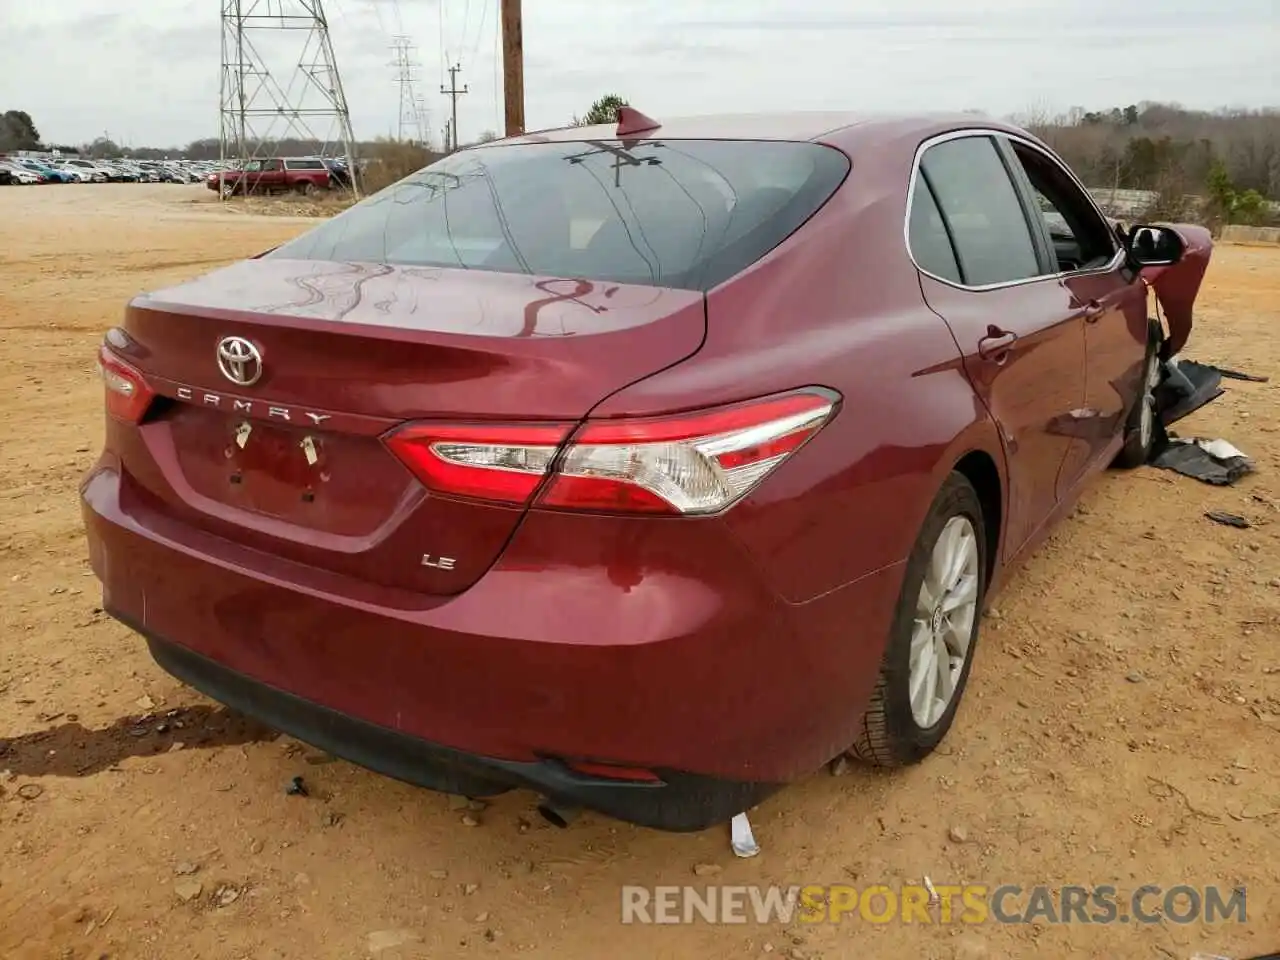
(744, 842)
(1220, 449)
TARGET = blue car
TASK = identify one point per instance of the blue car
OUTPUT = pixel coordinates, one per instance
(52, 174)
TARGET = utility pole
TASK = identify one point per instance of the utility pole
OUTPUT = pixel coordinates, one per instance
(513, 66)
(453, 93)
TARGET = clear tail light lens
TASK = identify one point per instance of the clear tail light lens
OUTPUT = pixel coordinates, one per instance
(693, 464)
(127, 392)
(685, 465)
(503, 464)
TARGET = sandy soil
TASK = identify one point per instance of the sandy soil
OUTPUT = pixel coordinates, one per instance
(1121, 727)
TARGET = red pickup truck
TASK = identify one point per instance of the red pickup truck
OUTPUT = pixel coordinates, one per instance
(278, 175)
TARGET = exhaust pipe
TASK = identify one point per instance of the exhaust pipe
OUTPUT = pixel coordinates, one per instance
(556, 814)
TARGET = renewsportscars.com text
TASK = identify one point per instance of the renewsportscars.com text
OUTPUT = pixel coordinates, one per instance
(940, 903)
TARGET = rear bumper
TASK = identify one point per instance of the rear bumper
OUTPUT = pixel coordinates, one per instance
(681, 802)
(657, 647)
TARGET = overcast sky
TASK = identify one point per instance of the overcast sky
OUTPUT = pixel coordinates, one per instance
(147, 71)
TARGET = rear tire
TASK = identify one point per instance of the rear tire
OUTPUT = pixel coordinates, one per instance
(1140, 426)
(937, 616)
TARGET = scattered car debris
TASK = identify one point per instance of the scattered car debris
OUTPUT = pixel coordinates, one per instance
(297, 788)
(741, 837)
(1186, 387)
(1237, 375)
(1229, 519)
(1215, 462)
(29, 791)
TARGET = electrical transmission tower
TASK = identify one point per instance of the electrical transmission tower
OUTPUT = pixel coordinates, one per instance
(264, 41)
(412, 111)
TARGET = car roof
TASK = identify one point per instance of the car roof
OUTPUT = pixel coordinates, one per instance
(843, 128)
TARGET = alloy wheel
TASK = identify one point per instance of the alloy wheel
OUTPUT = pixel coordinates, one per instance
(946, 609)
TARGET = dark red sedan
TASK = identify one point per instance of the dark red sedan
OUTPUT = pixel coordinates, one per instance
(648, 468)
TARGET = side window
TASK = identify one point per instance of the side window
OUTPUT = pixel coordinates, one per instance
(930, 244)
(980, 205)
(271, 165)
(1081, 238)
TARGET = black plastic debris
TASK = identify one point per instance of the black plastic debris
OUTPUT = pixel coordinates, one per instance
(1229, 519)
(1237, 375)
(1187, 386)
(1214, 462)
(296, 788)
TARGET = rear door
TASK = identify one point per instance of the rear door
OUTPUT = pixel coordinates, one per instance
(1102, 288)
(985, 271)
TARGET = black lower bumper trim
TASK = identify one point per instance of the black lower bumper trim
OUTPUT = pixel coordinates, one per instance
(682, 802)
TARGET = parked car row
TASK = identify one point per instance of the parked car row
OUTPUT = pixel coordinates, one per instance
(307, 175)
(27, 171)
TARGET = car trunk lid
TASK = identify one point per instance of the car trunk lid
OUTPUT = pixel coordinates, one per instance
(291, 461)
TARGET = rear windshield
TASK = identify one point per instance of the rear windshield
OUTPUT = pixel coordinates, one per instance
(687, 213)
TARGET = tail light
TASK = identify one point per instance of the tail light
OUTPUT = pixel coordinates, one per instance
(684, 465)
(128, 395)
(504, 464)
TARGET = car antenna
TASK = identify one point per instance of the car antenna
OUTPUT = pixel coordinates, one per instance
(631, 120)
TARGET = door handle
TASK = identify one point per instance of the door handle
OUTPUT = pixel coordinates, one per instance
(1093, 311)
(995, 345)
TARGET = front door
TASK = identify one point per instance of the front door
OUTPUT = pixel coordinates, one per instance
(1108, 296)
(984, 270)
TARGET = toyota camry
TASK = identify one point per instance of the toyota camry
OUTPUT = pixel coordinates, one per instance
(645, 466)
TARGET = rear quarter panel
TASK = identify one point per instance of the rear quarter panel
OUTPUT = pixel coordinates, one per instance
(837, 305)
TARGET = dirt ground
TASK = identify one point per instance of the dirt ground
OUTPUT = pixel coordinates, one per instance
(1121, 726)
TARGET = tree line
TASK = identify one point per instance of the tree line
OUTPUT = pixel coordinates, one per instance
(1229, 158)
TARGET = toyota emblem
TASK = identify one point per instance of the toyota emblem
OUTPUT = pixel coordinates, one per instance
(239, 360)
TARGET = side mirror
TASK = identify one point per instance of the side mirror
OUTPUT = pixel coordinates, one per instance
(1154, 246)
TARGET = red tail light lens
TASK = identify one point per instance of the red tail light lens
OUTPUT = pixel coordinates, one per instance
(685, 465)
(504, 464)
(128, 395)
